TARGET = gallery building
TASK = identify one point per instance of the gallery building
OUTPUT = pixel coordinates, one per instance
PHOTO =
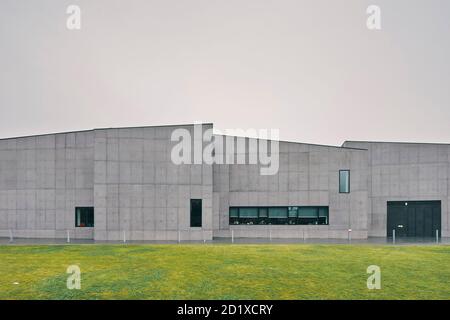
(107, 184)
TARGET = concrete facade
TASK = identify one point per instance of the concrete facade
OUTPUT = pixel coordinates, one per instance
(308, 175)
(405, 172)
(137, 192)
(42, 179)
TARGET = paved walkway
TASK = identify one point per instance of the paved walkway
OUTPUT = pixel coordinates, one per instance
(387, 241)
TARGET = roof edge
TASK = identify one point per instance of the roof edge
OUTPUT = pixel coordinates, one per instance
(398, 142)
(296, 142)
(105, 128)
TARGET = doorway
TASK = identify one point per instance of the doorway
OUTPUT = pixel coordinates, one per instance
(414, 218)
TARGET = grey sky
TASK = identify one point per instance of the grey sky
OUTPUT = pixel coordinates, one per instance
(310, 68)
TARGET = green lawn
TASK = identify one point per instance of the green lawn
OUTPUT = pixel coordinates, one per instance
(278, 271)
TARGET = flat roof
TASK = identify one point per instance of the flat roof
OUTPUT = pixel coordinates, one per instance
(398, 142)
(296, 142)
(210, 123)
(173, 125)
(105, 128)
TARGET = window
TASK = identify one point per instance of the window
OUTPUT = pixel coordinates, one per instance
(84, 217)
(196, 212)
(279, 215)
(278, 212)
(263, 212)
(307, 212)
(344, 181)
(308, 215)
(292, 214)
(234, 213)
(323, 215)
(248, 212)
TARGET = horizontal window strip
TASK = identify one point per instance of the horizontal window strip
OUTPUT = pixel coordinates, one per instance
(279, 215)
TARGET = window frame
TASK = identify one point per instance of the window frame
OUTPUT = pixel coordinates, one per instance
(288, 220)
(344, 170)
(82, 212)
(201, 214)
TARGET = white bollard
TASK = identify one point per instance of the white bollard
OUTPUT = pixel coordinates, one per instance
(68, 236)
(232, 236)
(349, 235)
(179, 236)
(11, 239)
(393, 236)
(124, 237)
(437, 236)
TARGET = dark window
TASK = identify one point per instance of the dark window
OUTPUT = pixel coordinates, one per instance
(234, 213)
(248, 212)
(279, 215)
(307, 212)
(263, 212)
(344, 181)
(84, 217)
(292, 214)
(308, 215)
(323, 215)
(196, 212)
(278, 212)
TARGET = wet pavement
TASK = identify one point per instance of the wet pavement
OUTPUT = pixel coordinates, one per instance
(377, 240)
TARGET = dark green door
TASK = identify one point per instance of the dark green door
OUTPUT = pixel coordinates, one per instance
(414, 218)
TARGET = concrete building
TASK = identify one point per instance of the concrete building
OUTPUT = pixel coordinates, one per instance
(417, 177)
(107, 184)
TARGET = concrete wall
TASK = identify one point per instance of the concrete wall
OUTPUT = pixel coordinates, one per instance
(128, 176)
(308, 175)
(140, 191)
(406, 171)
(42, 180)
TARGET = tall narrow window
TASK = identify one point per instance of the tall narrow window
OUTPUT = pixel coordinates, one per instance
(196, 212)
(84, 217)
(344, 181)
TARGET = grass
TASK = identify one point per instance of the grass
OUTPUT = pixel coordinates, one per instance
(279, 271)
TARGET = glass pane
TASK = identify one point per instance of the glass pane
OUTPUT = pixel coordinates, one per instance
(196, 212)
(322, 220)
(307, 212)
(278, 212)
(263, 212)
(323, 212)
(78, 217)
(90, 221)
(248, 212)
(344, 181)
(234, 212)
(84, 217)
(292, 211)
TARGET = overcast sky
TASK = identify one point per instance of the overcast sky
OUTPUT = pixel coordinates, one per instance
(310, 68)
